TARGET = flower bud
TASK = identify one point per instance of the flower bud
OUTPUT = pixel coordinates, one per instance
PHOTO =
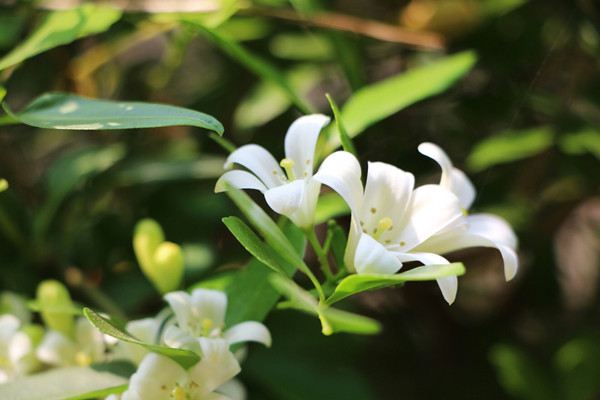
(56, 307)
(162, 262)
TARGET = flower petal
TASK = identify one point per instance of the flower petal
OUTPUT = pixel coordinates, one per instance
(249, 331)
(286, 199)
(481, 230)
(155, 379)
(181, 304)
(89, 339)
(304, 216)
(301, 140)
(448, 285)
(432, 209)
(387, 195)
(341, 172)
(372, 257)
(239, 179)
(209, 304)
(178, 338)
(216, 366)
(56, 349)
(452, 178)
(258, 161)
(233, 389)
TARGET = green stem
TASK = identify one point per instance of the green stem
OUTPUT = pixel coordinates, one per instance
(321, 254)
(8, 120)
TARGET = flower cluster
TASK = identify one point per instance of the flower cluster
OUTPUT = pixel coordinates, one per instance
(392, 221)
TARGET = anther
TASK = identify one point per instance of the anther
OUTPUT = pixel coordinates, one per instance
(287, 164)
(383, 225)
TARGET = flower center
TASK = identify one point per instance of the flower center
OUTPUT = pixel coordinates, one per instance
(384, 224)
(179, 393)
(287, 164)
(83, 359)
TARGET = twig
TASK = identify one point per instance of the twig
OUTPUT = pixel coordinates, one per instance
(361, 26)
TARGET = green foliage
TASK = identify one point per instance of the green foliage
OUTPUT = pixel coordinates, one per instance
(185, 358)
(62, 384)
(382, 99)
(508, 147)
(62, 27)
(341, 129)
(354, 284)
(586, 140)
(71, 112)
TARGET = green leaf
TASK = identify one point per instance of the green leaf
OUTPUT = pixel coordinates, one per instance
(508, 147)
(586, 140)
(252, 243)
(251, 295)
(382, 99)
(148, 171)
(61, 384)
(57, 110)
(355, 283)
(332, 320)
(255, 64)
(185, 358)
(102, 393)
(62, 27)
(347, 144)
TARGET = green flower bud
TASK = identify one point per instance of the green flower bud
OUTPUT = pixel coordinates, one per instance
(162, 262)
(56, 307)
(3, 185)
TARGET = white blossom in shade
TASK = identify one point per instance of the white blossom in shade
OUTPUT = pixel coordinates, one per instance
(476, 230)
(85, 347)
(290, 191)
(160, 378)
(390, 217)
(202, 314)
(147, 330)
(17, 349)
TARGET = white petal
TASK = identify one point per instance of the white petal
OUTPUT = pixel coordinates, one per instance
(234, 390)
(258, 161)
(432, 209)
(181, 304)
(56, 349)
(373, 258)
(353, 237)
(9, 325)
(304, 216)
(155, 379)
(286, 199)
(341, 172)
(249, 331)
(452, 179)
(217, 366)
(448, 285)
(210, 304)
(481, 230)
(239, 179)
(89, 339)
(19, 347)
(301, 140)
(179, 338)
(387, 195)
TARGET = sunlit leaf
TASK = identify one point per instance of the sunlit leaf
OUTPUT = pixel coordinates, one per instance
(101, 393)
(63, 383)
(508, 147)
(252, 243)
(355, 283)
(68, 111)
(584, 141)
(185, 358)
(382, 99)
(62, 27)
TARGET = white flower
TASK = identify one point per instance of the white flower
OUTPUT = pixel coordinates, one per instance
(477, 230)
(390, 218)
(146, 330)
(202, 314)
(17, 349)
(160, 378)
(87, 346)
(292, 193)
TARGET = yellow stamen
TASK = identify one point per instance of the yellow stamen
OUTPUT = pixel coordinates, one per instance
(383, 225)
(207, 326)
(83, 359)
(178, 393)
(287, 164)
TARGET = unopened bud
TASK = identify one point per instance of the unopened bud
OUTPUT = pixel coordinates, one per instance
(56, 307)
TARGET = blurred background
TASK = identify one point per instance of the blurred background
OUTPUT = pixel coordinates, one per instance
(524, 123)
